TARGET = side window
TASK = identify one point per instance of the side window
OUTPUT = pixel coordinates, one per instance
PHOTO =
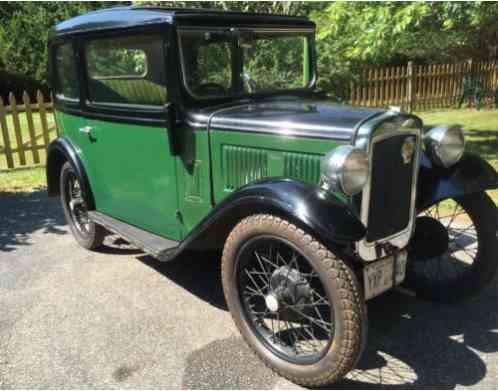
(126, 70)
(66, 73)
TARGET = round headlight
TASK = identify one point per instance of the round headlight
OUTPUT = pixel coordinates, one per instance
(445, 144)
(344, 169)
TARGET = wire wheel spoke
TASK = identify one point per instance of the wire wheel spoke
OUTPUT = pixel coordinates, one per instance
(76, 205)
(284, 300)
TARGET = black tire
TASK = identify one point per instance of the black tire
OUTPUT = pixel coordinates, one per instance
(448, 288)
(88, 234)
(339, 282)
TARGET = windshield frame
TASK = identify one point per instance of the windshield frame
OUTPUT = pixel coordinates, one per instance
(308, 32)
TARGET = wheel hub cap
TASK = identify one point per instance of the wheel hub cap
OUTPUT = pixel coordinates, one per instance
(271, 302)
(289, 286)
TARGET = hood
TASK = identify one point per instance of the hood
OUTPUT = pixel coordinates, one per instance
(305, 118)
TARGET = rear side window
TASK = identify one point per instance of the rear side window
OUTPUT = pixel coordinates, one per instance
(66, 83)
(126, 71)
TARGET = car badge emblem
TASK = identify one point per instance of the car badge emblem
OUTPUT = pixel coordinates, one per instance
(407, 150)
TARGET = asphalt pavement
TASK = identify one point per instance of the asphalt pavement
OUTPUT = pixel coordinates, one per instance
(120, 319)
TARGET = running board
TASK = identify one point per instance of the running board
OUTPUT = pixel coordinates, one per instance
(157, 246)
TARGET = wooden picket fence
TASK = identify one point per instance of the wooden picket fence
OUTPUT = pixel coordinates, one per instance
(420, 87)
(26, 131)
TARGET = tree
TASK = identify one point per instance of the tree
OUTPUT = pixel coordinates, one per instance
(352, 35)
(24, 28)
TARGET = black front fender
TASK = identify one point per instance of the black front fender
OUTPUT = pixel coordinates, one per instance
(62, 150)
(322, 214)
(470, 175)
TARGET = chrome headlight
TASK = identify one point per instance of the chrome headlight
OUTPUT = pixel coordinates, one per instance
(344, 169)
(445, 144)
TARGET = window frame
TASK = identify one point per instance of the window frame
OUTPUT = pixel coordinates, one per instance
(142, 114)
(237, 63)
(62, 99)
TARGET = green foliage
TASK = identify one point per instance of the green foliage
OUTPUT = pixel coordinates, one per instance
(110, 58)
(351, 35)
(24, 28)
(275, 62)
(272, 7)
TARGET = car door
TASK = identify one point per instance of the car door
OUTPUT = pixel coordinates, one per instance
(127, 142)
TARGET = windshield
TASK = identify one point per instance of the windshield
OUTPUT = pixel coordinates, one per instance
(233, 62)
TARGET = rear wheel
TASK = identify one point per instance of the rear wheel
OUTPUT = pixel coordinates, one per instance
(88, 234)
(453, 255)
(298, 306)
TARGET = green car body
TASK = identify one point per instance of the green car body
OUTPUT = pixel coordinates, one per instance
(179, 196)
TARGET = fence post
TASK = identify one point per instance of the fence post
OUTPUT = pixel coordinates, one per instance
(495, 74)
(17, 129)
(31, 127)
(409, 88)
(40, 99)
(7, 148)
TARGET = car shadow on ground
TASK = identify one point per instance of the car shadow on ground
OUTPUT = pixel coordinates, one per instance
(198, 273)
(411, 344)
(23, 213)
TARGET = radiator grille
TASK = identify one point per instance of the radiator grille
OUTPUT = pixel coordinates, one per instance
(390, 189)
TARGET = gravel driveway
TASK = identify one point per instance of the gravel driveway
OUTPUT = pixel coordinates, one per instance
(118, 318)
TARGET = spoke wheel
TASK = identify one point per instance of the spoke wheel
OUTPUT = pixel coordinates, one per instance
(453, 253)
(284, 299)
(87, 233)
(297, 305)
(76, 204)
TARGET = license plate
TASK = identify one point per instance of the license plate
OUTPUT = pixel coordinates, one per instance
(381, 275)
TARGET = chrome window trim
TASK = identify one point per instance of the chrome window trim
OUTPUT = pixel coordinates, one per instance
(370, 251)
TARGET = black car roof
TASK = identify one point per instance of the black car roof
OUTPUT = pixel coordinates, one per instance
(126, 17)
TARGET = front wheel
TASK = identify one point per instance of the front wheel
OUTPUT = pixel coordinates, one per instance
(298, 306)
(454, 252)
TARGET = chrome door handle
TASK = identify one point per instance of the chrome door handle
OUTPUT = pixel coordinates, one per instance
(86, 129)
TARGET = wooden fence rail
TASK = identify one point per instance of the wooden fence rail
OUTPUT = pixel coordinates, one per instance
(26, 131)
(421, 87)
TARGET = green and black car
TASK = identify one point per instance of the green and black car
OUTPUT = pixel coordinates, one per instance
(196, 131)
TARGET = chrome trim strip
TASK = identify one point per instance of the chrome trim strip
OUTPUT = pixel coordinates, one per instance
(370, 251)
(280, 128)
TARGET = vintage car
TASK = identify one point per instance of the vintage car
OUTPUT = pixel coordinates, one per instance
(195, 131)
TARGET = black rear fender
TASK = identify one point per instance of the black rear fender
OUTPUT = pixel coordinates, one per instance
(60, 151)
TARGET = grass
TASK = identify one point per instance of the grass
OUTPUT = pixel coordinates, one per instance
(481, 132)
(25, 179)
